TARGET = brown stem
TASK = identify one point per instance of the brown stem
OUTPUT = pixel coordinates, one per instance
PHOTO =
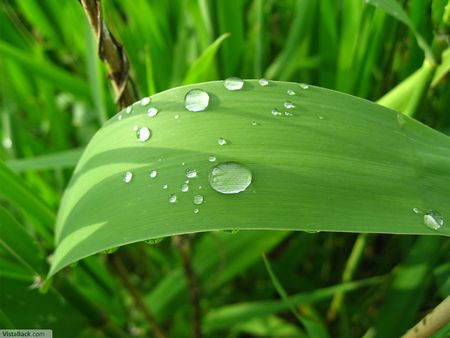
(432, 322)
(137, 297)
(184, 246)
(111, 53)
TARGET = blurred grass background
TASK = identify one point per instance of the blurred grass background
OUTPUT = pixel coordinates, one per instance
(54, 95)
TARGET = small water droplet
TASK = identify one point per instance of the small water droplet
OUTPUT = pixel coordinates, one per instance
(177, 116)
(119, 117)
(433, 220)
(152, 112)
(199, 187)
(286, 113)
(184, 188)
(129, 109)
(263, 82)
(145, 101)
(222, 141)
(230, 177)
(165, 186)
(143, 134)
(233, 83)
(275, 112)
(127, 177)
(172, 198)
(417, 211)
(196, 100)
(211, 158)
(183, 163)
(153, 173)
(191, 173)
(291, 92)
(254, 123)
(198, 199)
(154, 241)
(196, 210)
(304, 86)
(289, 105)
(187, 181)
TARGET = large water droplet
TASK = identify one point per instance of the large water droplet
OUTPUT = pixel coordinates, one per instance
(153, 173)
(198, 199)
(145, 101)
(196, 100)
(143, 134)
(222, 141)
(152, 112)
(433, 220)
(230, 177)
(211, 158)
(263, 82)
(127, 177)
(233, 83)
(184, 188)
(172, 198)
(289, 105)
(191, 173)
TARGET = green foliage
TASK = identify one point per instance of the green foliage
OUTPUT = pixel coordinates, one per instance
(55, 96)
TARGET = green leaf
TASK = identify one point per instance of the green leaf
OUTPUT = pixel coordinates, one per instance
(393, 8)
(339, 163)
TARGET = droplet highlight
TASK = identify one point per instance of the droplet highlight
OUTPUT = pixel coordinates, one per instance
(230, 178)
(127, 177)
(233, 83)
(196, 100)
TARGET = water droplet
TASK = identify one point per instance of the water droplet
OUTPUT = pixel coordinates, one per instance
(230, 177)
(152, 112)
(183, 163)
(199, 187)
(275, 112)
(290, 92)
(184, 188)
(263, 82)
(143, 134)
(286, 113)
(172, 198)
(196, 211)
(129, 109)
(165, 186)
(127, 177)
(154, 241)
(198, 199)
(119, 117)
(196, 100)
(177, 116)
(304, 86)
(254, 123)
(211, 158)
(187, 181)
(191, 173)
(222, 141)
(289, 105)
(145, 101)
(417, 211)
(153, 173)
(233, 83)
(433, 220)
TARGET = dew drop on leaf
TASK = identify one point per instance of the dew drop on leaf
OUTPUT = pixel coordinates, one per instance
(275, 112)
(129, 109)
(177, 116)
(143, 134)
(152, 112)
(211, 158)
(433, 220)
(196, 210)
(304, 86)
(230, 177)
(145, 101)
(291, 92)
(233, 83)
(222, 141)
(127, 177)
(289, 105)
(184, 188)
(153, 173)
(165, 186)
(196, 100)
(191, 173)
(172, 198)
(263, 82)
(198, 199)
